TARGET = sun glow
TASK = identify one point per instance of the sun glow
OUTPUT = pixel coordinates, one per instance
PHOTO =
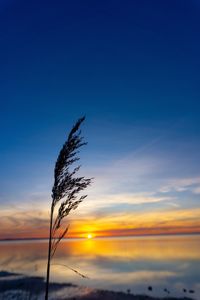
(89, 236)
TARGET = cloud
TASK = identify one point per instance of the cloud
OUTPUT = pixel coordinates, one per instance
(140, 178)
(196, 190)
(125, 173)
(136, 222)
(35, 223)
(173, 204)
(182, 184)
(113, 201)
(27, 223)
(128, 193)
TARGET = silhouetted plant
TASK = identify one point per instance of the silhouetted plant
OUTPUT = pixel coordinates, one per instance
(65, 192)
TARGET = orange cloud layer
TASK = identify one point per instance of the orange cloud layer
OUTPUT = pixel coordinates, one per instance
(170, 222)
(35, 224)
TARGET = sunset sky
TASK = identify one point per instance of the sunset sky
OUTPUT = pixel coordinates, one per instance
(133, 68)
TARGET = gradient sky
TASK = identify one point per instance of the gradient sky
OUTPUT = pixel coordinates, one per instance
(133, 68)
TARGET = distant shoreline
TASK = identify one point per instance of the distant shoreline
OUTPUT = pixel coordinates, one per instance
(103, 237)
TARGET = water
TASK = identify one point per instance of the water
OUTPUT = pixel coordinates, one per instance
(171, 262)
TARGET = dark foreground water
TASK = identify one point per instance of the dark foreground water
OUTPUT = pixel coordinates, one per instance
(163, 262)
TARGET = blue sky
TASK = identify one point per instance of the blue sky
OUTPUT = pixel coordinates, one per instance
(132, 67)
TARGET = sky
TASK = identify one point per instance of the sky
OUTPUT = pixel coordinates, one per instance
(133, 68)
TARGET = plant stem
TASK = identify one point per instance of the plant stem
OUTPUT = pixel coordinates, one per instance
(49, 253)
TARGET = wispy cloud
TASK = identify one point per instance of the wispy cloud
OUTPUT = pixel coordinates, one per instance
(136, 193)
(196, 190)
(182, 184)
(114, 200)
(27, 223)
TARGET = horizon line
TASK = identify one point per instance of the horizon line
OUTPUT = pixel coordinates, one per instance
(100, 237)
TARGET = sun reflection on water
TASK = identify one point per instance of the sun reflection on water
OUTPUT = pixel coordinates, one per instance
(113, 263)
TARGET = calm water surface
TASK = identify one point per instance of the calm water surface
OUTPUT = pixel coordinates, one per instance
(171, 262)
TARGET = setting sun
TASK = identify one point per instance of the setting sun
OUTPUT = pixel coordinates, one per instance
(89, 236)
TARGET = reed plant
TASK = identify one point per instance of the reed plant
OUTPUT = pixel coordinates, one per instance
(66, 192)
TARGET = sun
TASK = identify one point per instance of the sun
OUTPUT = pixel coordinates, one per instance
(89, 236)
